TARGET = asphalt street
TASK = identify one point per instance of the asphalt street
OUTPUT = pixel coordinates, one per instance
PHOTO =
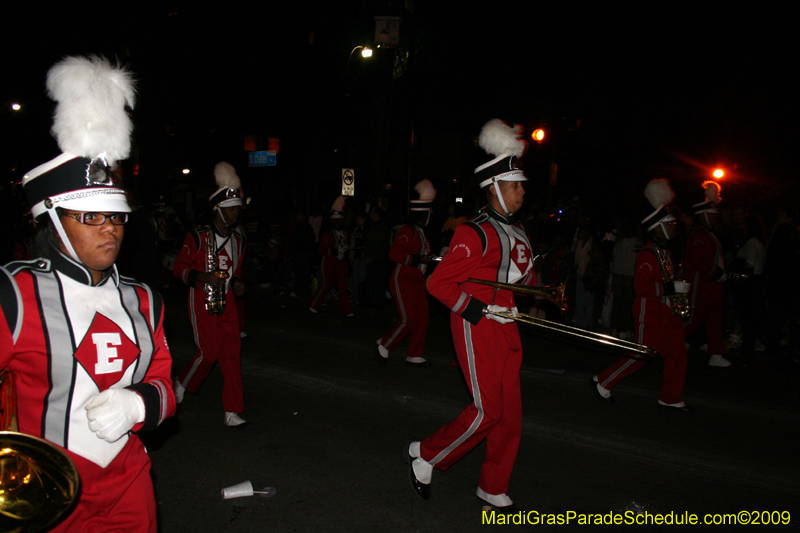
(329, 426)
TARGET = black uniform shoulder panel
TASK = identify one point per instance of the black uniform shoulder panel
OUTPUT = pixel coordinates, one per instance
(11, 302)
(194, 233)
(476, 224)
(38, 265)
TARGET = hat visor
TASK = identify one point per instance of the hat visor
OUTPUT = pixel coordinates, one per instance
(105, 201)
(230, 202)
(514, 175)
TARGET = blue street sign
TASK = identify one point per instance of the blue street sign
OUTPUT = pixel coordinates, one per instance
(262, 159)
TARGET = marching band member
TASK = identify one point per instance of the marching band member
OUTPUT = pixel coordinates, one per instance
(704, 267)
(210, 262)
(85, 345)
(411, 253)
(491, 247)
(333, 244)
(656, 323)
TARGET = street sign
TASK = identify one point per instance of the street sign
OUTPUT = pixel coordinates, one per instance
(266, 158)
(348, 182)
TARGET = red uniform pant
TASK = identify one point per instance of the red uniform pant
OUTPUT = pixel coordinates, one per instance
(217, 339)
(334, 271)
(118, 497)
(411, 298)
(707, 301)
(666, 338)
(490, 355)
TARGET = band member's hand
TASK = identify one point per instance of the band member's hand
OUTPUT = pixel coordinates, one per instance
(238, 288)
(113, 413)
(210, 279)
(490, 310)
(681, 287)
(424, 259)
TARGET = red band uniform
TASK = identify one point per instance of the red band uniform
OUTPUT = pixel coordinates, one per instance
(705, 270)
(491, 248)
(65, 341)
(407, 285)
(217, 336)
(656, 326)
(332, 247)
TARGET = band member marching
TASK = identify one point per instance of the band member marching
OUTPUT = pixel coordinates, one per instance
(210, 262)
(333, 244)
(411, 253)
(85, 345)
(705, 269)
(659, 305)
(491, 247)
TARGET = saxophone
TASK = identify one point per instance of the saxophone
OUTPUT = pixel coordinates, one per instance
(215, 296)
(679, 302)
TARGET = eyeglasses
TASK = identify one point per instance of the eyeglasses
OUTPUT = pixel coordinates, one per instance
(98, 219)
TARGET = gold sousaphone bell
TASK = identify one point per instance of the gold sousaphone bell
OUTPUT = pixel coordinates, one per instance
(556, 295)
(38, 481)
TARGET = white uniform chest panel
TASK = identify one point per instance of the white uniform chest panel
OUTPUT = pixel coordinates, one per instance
(106, 352)
(520, 253)
(224, 260)
(84, 302)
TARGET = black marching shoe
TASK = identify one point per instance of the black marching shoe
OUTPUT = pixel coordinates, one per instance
(423, 490)
(593, 384)
(421, 364)
(508, 509)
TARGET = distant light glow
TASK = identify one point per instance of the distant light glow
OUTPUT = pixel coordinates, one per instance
(16, 107)
(538, 135)
(718, 173)
(366, 52)
(185, 170)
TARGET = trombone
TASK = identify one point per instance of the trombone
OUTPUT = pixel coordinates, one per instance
(556, 295)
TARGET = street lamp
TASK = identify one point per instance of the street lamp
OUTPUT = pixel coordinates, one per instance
(365, 52)
(718, 173)
(538, 135)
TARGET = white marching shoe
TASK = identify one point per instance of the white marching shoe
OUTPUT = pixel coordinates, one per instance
(233, 420)
(179, 390)
(718, 360)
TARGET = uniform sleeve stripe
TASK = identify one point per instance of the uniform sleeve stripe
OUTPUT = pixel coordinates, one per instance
(162, 392)
(460, 302)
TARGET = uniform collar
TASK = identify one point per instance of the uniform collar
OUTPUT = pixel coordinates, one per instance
(76, 271)
(216, 229)
(493, 213)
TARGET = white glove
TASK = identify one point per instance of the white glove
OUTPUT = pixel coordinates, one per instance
(490, 310)
(113, 413)
(681, 287)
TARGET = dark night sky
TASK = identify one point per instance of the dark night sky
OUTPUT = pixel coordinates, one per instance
(666, 92)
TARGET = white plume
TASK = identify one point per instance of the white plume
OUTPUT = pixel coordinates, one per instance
(226, 176)
(90, 117)
(425, 190)
(712, 189)
(338, 204)
(659, 193)
(500, 139)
